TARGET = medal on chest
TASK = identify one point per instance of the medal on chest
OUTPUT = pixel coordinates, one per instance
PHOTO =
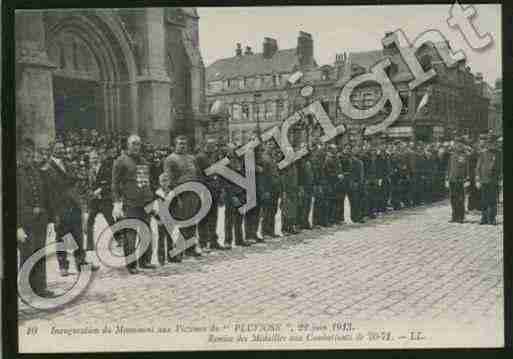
(142, 176)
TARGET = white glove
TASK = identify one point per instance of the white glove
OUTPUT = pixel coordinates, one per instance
(466, 184)
(51, 230)
(446, 184)
(21, 236)
(380, 182)
(98, 193)
(117, 211)
(341, 177)
(478, 185)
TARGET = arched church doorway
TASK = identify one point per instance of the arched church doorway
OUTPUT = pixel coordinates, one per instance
(94, 82)
(76, 106)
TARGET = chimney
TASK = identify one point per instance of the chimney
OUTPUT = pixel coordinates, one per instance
(340, 59)
(248, 51)
(238, 50)
(270, 47)
(390, 49)
(305, 49)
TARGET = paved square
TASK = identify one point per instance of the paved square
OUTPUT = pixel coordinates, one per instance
(410, 264)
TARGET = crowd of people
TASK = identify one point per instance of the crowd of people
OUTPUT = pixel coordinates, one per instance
(117, 175)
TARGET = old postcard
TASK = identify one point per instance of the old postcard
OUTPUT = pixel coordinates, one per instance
(259, 178)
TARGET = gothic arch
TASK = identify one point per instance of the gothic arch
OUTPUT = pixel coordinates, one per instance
(111, 49)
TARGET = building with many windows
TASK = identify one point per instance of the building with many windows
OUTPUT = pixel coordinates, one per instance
(251, 86)
(455, 102)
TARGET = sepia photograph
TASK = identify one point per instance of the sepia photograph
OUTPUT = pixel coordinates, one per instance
(259, 178)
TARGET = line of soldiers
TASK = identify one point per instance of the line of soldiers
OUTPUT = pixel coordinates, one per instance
(311, 192)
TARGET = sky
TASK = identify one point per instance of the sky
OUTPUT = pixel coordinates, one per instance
(338, 29)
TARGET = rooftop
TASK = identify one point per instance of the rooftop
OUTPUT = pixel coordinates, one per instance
(283, 61)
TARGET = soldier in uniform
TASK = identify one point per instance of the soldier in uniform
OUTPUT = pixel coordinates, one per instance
(455, 181)
(306, 183)
(232, 199)
(433, 173)
(364, 156)
(415, 189)
(395, 176)
(373, 183)
(318, 158)
(383, 173)
(291, 198)
(252, 219)
(34, 212)
(473, 191)
(332, 171)
(443, 163)
(423, 170)
(180, 167)
(385, 169)
(207, 227)
(344, 159)
(131, 192)
(487, 180)
(270, 187)
(356, 186)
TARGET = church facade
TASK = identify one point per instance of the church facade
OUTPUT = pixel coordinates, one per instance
(118, 70)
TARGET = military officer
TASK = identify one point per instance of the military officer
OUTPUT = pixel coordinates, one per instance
(455, 181)
(318, 158)
(34, 212)
(473, 191)
(252, 218)
(342, 189)
(233, 200)
(487, 179)
(131, 192)
(373, 182)
(383, 174)
(180, 167)
(306, 183)
(208, 225)
(290, 197)
(356, 186)
(270, 187)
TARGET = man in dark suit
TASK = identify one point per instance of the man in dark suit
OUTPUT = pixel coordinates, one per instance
(68, 213)
(100, 201)
(34, 211)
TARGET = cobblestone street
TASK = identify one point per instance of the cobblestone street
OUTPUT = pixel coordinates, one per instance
(410, 264)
